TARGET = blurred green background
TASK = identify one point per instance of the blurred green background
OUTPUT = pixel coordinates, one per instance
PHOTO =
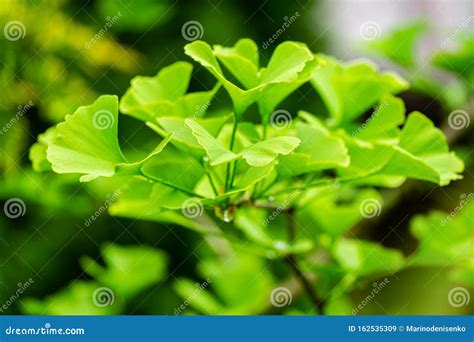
(63, 54)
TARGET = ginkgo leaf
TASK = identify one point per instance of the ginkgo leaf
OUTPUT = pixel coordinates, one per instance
(265, 152)
(244, 182)
(167, 198)
(134, 202)
(367, 160)
(423, 153)
(399, 45)
(38, 154)
(251, 176)
(96, 153)
(247, 49)
(135, 168)
(277, 92)
(445, 236)
(170, 83)
(128, 269)
(164, 95)
(174, 168)
(367, 258)
(217, 153)
(203, 301)
(285, 66)
(189, 105)
(349, 89)
(202, 53)
(86, 142)
(175, 126)
(183, 137)
(287, 61)
(291, 65)
(382, 125)
(319, 149)
(242, 61)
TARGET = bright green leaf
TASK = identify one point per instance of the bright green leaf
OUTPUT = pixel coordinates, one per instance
(365, 258)
(128, 269)
(264, 152)
(217, 153)
(349, 89)
(86, 142)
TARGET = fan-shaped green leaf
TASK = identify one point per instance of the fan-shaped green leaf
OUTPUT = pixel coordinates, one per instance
(86, 142)
(128, 269)
(265, 152)
(217, 153)
(349, 89)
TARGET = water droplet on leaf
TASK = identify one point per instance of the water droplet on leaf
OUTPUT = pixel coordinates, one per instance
(226, 215)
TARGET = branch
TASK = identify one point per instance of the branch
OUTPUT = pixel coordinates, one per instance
(326, 181)
(300, 275)
(173, 186)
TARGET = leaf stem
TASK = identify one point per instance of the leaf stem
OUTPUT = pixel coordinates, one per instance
(264, 127)
(293, 264)
(305, 281)
(234, 172)
(268, 187)
(212, 183)
(326, 181)
(176, 187)
(228, 179)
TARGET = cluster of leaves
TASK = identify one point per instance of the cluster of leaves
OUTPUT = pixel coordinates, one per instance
(48, 68)
(320, 171)
(444, 238)
(128, 271)
(46, 72)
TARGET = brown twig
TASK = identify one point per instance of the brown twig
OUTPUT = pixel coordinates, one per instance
(293, 263)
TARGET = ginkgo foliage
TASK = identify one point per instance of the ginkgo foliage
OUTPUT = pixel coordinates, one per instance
(217, 165)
